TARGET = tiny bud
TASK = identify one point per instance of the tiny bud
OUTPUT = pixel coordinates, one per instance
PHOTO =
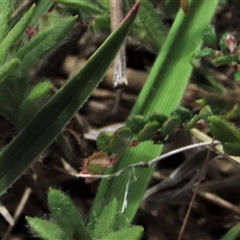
(231, 43)
(201, 124)
(218, 54)
(236, 66)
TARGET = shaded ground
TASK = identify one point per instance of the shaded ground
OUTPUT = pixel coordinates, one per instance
(162, 212)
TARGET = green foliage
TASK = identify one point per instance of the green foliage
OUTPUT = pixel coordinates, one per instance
(5, 13)
(223, 130)
(103, 141)
(136, 123)
(8, 67)
(206, 52)
(209, 36)
(45, 229)
(151, 23)
(170, 125)
(159, 117)
(222, 44)
(121, 139)
(162, 92)
(232, 234)
(33, 102)
(184, 114)
(37, 47)
(14, 34)
(53, 117)
(66, 216)
(148, 131)
(67, 222)
(226, 133)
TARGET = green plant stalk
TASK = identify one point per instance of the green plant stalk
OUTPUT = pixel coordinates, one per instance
(5, 13)
(162, 92)
(14, 34)
(54, 116)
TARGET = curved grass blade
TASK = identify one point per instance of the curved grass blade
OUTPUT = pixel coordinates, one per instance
(58, 111)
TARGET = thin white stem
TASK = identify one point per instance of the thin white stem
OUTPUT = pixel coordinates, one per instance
(147, 164)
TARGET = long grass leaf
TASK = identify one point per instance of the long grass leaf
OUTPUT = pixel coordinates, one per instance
(49, 122)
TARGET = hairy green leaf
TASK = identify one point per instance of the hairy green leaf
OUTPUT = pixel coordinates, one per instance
(66, 215)
(45, 229)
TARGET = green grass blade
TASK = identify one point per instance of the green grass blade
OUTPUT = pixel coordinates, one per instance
(232, 234)
(13, 36)
(162, 92)
(41, 8)
(49, 122)
(5, 13)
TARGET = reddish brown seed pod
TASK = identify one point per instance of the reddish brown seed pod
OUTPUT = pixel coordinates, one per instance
(31, 31)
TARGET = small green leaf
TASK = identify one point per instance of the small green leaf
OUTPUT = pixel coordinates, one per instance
(223, 130)
(232, 148)
(97, 163)
(121, 139)
(131, 233)
(192, 123)
(233, 113)
(209, 36)
(136, 123)
(232, 234)
(205, 112)
(152, 24)
(170, 125)
(184, 113)
(34, 102)
(237, 76)
(224, 60)
(223, 45)
(206, 52)
(66, 215)
(147, 133)
(105, 222)
(159, 117)
(103, 141)
(45, 229)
